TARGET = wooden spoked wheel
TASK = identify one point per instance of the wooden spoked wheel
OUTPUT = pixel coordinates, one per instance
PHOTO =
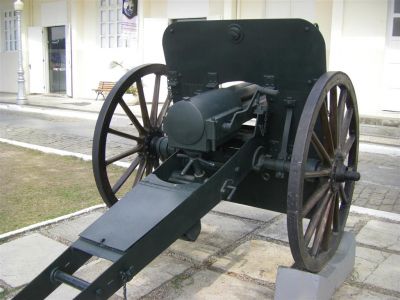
(124, 133)
(322, 171)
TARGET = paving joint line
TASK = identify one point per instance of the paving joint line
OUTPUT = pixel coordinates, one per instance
(159, 292)
(373, 288)
(245, 238)
(271, 240)
(243, 277)
(381, 249)
(235, 217)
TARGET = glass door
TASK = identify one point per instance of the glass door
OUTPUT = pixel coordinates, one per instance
(57, 67)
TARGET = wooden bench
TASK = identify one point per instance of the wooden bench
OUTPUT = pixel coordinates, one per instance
(104, 88)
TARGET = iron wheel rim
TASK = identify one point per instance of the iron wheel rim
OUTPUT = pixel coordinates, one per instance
(150, 127)
(332, 202)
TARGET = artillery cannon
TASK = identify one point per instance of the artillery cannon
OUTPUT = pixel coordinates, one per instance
(285, 139)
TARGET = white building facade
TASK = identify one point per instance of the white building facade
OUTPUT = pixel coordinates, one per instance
(71, 45)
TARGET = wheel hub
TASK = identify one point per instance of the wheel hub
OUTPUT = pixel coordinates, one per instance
(341, 173)
(150, 141)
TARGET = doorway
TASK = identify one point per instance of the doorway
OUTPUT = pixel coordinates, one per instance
(57, 59)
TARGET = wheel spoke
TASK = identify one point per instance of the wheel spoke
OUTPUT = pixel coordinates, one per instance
(341, 107)
(336, 213)
(345, 126)
(156, 163)
(140, 171)
(141, 127)
(124, 154)
(326, 238)
(321, 229)
(143, 106)
(318, 173)
(316, 218)
(326, 129)
(132, 117)
(347, 146)
(314, 198)
(333, 115)
(154, 105)
(125, 135)
(321, 151)
(149, 167)
(343, 194)
(163, 111)
(117, 186)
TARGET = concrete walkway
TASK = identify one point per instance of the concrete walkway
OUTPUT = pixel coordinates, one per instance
(235, 257)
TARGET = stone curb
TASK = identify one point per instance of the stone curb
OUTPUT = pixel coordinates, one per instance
(375, 213)
(56, 151)
(59, 112)
(381, 121)
(10, 234)
(389, 141)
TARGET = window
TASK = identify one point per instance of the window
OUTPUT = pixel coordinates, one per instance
(396, 19)
(10, 31)
(116, 31)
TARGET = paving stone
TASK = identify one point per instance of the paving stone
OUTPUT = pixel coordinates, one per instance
(386, 207)
(372, 206)
(24, 258)
(217, 232)
(387, 274)
(353, 220)
(278, 229)
(63, 292)
(380, 234)
(346, 292)
(197, 251)
(257, 259)
(367, 260)
(245, 211)
(389, 200)
(71, 229)
(207, 284)
(162, 269)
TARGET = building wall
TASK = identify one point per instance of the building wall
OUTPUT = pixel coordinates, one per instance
(354, 32)
(8, 60)
(358, 48)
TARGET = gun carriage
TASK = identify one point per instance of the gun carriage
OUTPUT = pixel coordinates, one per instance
(283, 138)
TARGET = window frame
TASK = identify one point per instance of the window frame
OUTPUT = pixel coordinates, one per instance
(110, 23)
(392, 16)
(9, 31)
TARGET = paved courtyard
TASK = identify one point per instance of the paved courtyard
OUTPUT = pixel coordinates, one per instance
(235, 257)
(239, 249)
